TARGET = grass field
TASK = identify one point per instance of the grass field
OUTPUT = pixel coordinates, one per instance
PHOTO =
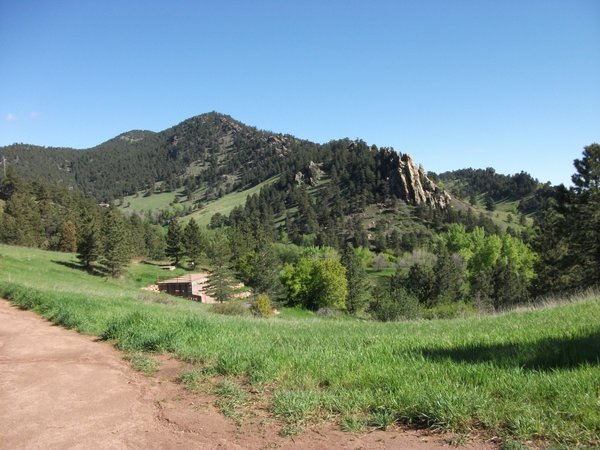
(531, 376)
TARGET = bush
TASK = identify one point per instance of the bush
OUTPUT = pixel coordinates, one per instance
(396, 304)
(230, 309)
(315, 283)
(262, 306)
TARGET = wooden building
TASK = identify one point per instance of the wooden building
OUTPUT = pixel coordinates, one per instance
(189, 286)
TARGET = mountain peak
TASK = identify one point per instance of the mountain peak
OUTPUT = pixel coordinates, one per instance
(217, 152)
(135, 135)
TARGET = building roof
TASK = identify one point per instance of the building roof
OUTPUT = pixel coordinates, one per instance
(191, 278)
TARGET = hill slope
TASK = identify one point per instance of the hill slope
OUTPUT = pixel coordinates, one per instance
(215, 153)
(208, 147)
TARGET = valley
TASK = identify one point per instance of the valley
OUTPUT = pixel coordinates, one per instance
(376, 295)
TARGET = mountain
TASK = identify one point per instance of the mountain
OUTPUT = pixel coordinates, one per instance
(217, 154)
(208, 146)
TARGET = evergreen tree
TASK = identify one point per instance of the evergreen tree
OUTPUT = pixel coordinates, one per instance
(489, 203)
(391, 301)
(473, 198)
(136, 235)
(449, 274)
(10, 184)
(585, 229)
(26, 227)
(175, 248)
(421, 283)
(266, 269)
(220, 277)
(68, 237)
(89, 245)
(555, 267)
(116, 248)
(356, 276)
(154, 240)
(482, 290)
(510, 286)
(193, 242)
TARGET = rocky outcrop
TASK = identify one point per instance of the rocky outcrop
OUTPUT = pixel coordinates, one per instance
(409, 182)
(280, 143)
(310, 175)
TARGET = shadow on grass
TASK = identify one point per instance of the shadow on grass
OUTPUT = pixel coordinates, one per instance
(153, 263)
(546, 354)
(94, 270)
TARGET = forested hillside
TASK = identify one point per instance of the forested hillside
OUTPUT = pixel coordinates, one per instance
(209, 150)
(48, 216)
(344, 225)
(216, 154)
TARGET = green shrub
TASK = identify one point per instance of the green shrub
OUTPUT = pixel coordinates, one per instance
(262, 306)
(388, 306)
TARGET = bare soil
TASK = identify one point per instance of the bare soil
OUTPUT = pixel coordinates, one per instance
(61, 389)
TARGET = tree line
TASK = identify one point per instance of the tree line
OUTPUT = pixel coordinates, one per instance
(474, 263)
(47, 216)
(308, 246)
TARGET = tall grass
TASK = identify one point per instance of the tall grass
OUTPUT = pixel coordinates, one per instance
(532, 375)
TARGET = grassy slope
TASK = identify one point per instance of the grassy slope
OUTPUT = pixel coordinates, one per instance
(164, 200)
(153, 202)
(530, 375)
(225, 204)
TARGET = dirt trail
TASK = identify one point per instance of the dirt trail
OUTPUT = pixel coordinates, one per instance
(60, 389)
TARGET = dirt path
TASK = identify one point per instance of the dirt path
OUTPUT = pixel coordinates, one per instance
(60, 389)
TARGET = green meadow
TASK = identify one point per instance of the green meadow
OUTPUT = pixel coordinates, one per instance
(225, 204)
(157, 201)
(140, 203)
(531, 376)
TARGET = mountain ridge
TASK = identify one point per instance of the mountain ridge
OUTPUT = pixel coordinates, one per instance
(210, 150)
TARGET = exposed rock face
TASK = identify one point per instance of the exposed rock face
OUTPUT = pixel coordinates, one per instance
(310, 175)
(280, 143)
(409, 182)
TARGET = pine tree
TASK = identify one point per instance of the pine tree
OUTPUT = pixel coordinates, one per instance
(490, 205)
(136, 233)
(154, 240)
(220, 277)
(265, 277)
(585, 228)
(10, 184)
(68, 237)
(449, 274)
(356, 276)
(27, 227)
(116, 249)
(193, 242)
(89, 241)
(421, 282)
(175, 247)
(510, 286)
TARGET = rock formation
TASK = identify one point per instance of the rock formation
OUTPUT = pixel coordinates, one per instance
(310, 175)
(409, 182)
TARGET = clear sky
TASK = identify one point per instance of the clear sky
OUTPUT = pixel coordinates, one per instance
(513, 85)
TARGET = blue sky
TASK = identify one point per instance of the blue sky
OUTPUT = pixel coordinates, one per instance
(513, 85)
